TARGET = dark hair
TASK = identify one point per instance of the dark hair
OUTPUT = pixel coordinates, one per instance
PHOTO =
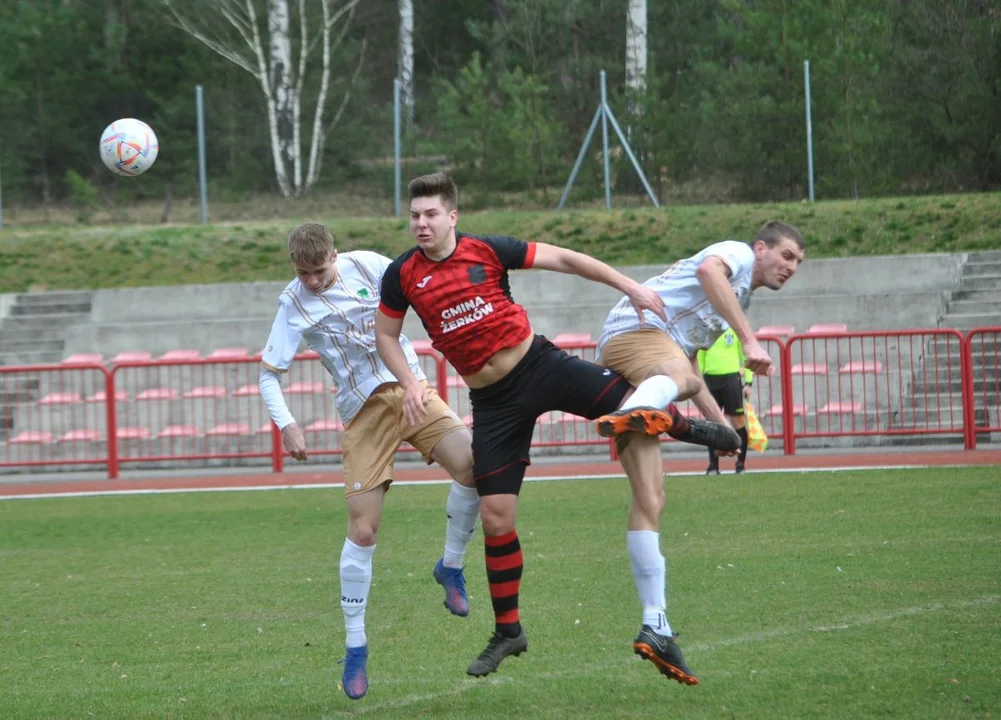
(772, 232)
(434, 184)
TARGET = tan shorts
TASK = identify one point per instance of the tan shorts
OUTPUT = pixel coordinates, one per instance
(635, 353)
(372, 437)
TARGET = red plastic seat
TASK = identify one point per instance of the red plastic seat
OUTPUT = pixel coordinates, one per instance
(775, 330)
(861, 367)
(840, 408)
(247, 390)
(157, 394)
(233, 352)
(82, 436)
(179, 431)
(84, 359)
(100, 396)
(324, 426)
(181, 355)
(827, 329)
(67, 398)
(207, 391)
(797, 409)
(32, 437)
(304, 388)
(572, 340)
(132, 433)
(132, 356)
(808, 369)
(230, 429)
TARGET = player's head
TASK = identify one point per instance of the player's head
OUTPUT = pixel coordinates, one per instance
(779, 248)
(311, 251)
(433, 213)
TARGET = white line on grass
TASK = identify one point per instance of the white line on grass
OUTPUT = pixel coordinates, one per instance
(542, 478)
(844, 624)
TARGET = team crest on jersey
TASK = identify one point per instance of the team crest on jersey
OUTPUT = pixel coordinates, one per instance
(363, 293)
(477, 274)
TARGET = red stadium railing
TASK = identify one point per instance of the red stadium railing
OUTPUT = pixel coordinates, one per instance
(982, 385)
(208, 411)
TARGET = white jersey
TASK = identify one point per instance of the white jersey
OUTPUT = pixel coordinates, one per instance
(339, 325)
(692, 321)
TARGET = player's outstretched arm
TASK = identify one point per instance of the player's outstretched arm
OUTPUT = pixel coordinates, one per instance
(387, 344)
(293, 439)
(714, 277)
(557, 259)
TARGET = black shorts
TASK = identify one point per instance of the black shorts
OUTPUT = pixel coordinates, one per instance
(728, 391)
(505, 412)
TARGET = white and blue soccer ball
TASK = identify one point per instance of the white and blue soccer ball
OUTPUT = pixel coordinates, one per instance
(129, 147)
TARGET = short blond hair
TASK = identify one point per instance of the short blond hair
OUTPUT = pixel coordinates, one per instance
(310, 244)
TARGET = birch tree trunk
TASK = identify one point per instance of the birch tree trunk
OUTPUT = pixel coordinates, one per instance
(636, 54)
(281, 72)
(405, 59)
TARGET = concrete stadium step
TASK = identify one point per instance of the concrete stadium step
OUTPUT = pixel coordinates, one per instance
(975, 307)
(986, 295)
(58, 297)
(30, 322)
(984, 256)
(41, 332)
(964, 322)
(28, 346)
(980, 387)
(30, 358)
(41, 309)
(982, 268)
(982, 282)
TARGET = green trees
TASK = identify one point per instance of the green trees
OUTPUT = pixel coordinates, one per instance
(906, 96)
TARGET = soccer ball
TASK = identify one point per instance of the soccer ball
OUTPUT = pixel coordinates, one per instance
(129, 147)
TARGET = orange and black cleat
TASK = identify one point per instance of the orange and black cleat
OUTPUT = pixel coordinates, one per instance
(663, 652)
(642, 420)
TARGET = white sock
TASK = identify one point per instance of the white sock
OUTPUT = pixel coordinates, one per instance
(658, 391)
(463, 508)
(356, 579)
(650, 574)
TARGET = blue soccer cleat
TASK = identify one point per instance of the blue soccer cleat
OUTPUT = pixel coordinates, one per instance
(355, 678)
(454, 583)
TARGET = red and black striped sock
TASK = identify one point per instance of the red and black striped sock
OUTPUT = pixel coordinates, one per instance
(504, 566)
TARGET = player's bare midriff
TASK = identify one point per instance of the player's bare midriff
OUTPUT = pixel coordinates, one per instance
(500, 364)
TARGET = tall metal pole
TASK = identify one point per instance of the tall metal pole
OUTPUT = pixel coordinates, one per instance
(396, 147)
(1, 201)
(202, 189)
(809, 127)
(604, 143)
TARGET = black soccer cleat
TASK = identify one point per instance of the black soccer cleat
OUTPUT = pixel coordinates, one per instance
(663, 652)
(497, 649)
(703, 432)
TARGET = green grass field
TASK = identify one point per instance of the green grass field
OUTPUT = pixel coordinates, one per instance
(75, 256)
(845, 595)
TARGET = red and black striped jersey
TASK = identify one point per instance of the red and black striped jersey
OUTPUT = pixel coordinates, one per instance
(464, 301)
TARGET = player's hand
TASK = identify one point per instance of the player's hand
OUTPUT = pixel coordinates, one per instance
(644, 298)
(747, 392)
(757, 359)
(415, 401)
(294, 441)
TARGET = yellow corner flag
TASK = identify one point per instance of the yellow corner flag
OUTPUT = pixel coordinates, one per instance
(756, 437)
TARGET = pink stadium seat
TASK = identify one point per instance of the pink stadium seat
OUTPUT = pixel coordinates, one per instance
(31, 437)
(455, 381)
(67, 398)
(247, 390)
(827, 329)
(861, 367)
(308, 355)
(82, 436)
(100, 396)
(233, 352)
(132, 433)
(572, 339)
(422, 345)
(264, 429)
(181, 355)
(796, 410)
(84, 359)
(689, 411)
(775, 330)
(839, 408)
(467, 420)
(231, 429)
(157, 394)
(179, 431)
(208, 391)
(304, 388)
(132, 356)
(324, 426)
(808, 369)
